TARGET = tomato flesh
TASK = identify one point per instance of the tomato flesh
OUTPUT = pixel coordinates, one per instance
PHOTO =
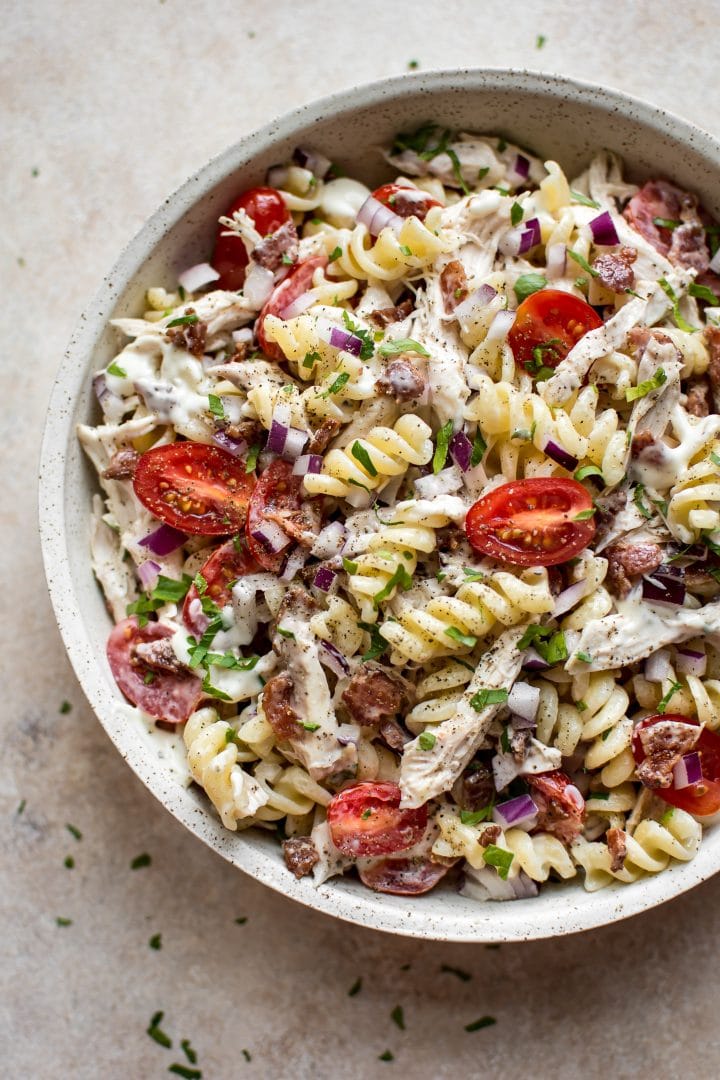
(402, 877)
(266, 207)
(295, 284)
(277, 490)
(366, 819)
(532, 522)
(405, 201)
(548, 323)
(221, 571)
(199, 489)
(169, 696)
(703, 798)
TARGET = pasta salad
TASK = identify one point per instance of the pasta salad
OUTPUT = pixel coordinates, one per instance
(410, 518)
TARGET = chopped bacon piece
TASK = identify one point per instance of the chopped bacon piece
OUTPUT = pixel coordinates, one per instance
(640, 442)
(276, 703)
(628, 560)
(402, 380)
(394, 735)
(698, 393)
(191, 336)
(453, 285)
(122, 465)
(689, 248)
(301, 523)
(664, 744)
(374, 695)
(477, 787)
(327, 431)
(283, 242)
(616, 840)
(384, 316)
(158, 655)
(561, 807)
(614, 270)
(489, 835)
(300, 855)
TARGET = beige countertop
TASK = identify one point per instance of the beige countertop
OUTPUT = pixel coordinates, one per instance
(105, 108)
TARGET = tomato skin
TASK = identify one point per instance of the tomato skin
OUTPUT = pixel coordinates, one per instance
(169, 696)
(221, 571)
(287, 292)
(268, 211)
(402, 877)
(415, 204)
(211, 484)
(276, 489)
(542, 509)
(549, 315)
(702, 799)
(385, 828)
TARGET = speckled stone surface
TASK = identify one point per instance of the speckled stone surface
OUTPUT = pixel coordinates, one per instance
(105, 109)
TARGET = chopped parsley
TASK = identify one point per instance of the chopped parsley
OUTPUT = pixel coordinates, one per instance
(366, 348)
(386, 1055)
(310, 725)
(356, 987)
(335, 254)
(442, 446)
(548, 643)
(69, 862)
(499, 858)
(464, 976)
(252, 456)
(537, 366)
(527, 284)
(286, 260)
(74, 832)
(155, 1031)
(200, 583)
(469, 640)
(149, 677)
(667, 815)
(213, 691)
(65, 708)
(474, 817)
(402, 345)
(665, 700)
(155, 942)
(713, 457)
(336, 386)
(584, 200)
(484, 1021)
(61, 921)
(638, 500)
(183, 320)
(666, 223)
(540, 41)
(21, 807)
(397, 1017)
(189, 1052)
(472, 575)
(516, 213)
(588, 470)
(406, 251)
(478, 450)
(585, 657)
(241, 920)
(115, 369)
(360, 454)
(140, 860)
(602, 796)
(482, 173)
(487, 696)
(349, 566)
(702, 292)
(680, 322)
(583, 263)
(183, 1070)
(216, 406)
(401, 577)
(413, 65)
(378, 644)
(426, 740)
(647, 386)
(311, 359)
(166, 591)
(584, 515)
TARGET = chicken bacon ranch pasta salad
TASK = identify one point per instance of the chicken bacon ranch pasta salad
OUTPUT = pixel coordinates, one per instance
(411, 518)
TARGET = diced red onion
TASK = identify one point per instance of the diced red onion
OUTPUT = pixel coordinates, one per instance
(518, 813)
(271, 536)
(303, 302)
(389, 493)
(568, 598)
(148, 573)
(347, 734)
(657, 666)
(603, 230)
(715, 262)
(664, 586)
(307, 463)
(317, 163)
(524, 700)
(442, 483)
(277, 176)
(100, 387)
(195, 277)
(333, 658)
(461, 450)
(324, 578)
(556, 261)
(505, 769)
(475, 302)
(277, 437)
(258, 285)
(163, 541)
(288, 442)
(486, 884)
(687, 771)
(522, 166)
(295, 561)
(295, 444)
(330, 541)
(560, 455)
(341, 339)
(236, 447)
(691, 662)
(533, 661)
(520, 723)
(500, 326)
(376, 217)
(243, 335)
(359, 498)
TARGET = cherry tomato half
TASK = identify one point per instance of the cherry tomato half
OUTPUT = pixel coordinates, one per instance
(276, 491)
(532, 522)
(547, 325)
(199, 489)
(366, 819)
(402, 877)
(221, 571)
(405, 201)
(702, 799)
(295, 284)
(266, 207)
(168, 695)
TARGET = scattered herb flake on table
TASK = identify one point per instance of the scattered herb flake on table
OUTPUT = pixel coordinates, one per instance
(140, 860)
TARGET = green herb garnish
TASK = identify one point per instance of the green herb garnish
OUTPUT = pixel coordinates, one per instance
(360, 454)
(442, 446)
(585, 657)
(401, 577)
(474, 817)
(155, 1032)
(638, 500)
(647, 386)
(469, 640)
(484, 1021)
(516, 213)
(666, 223)
(582, 262)
(378, 644)
(426, 740)
(479, 449)
(252, 456)
(702, 292)
(527, 284)
(216, 406)
(140, 860)
(584, 200)
(336, 386)
(680, 322)
(487, 696)
(665, 700)
(183, 320)
(367, 347)
(499, 858)
(115, 369)
(402, 345)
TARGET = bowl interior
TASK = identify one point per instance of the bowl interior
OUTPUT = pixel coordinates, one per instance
(555, 118)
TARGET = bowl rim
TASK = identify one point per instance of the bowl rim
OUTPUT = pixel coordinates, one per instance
(513, 922)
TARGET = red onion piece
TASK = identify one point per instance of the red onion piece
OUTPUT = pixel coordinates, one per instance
(603, 230)
(522, 166)
(533, 661)
(505, 769)
(341, 339)
(303, 302)
(657, 667)
(295, 561)
(324, 578)
(533, 228)
(474, 303)
(100, 387)
(524, 700)
(443, 483)
(163, 541)
(568, 598)
(277, 437)
(333, 658)
(330, 541)
(690, 662)
(377, 217)
(664, 586)
(461, 450)
(195, 277)
(556, 261)
(277, 176)
(519, 723)
(715, 262)
(258, 285)
(500, 326)
(244, 335)
(236, 447)
(307, 463)
(271, 536)
(518, 813)
(295, 444)
(148, 573)
(687, 771)
(317, 163)
(560, 455)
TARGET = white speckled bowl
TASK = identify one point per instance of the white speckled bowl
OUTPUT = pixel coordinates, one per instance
(558, 118)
